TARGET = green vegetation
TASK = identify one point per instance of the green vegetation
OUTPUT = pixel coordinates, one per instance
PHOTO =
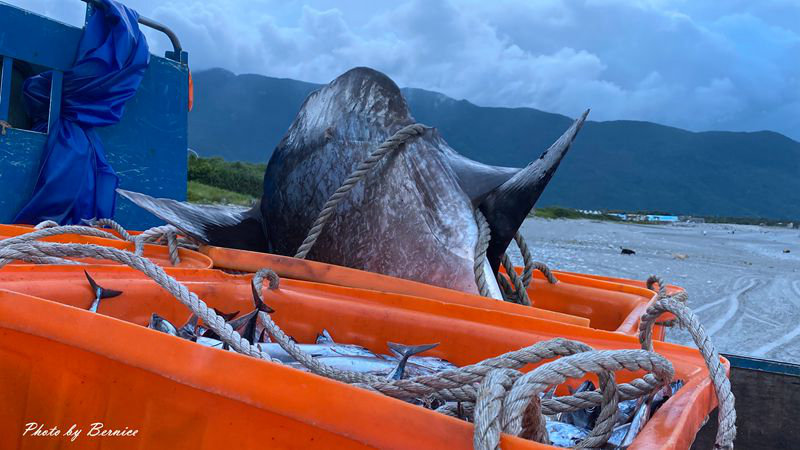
(238, 177)
(559, 212)
(749, 221)
(214, 180)
(202, 193)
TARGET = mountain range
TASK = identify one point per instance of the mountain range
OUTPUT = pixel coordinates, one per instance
(617, 165)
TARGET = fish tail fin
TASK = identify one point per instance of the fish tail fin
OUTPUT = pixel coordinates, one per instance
(404, 352)
(227, 316)
(189, 329)
(153, 319)
(259, 304)
(407, 351)
(104, 293)
(324, 338)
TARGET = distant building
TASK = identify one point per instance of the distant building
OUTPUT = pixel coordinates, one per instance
(654, 218)
(660, 218)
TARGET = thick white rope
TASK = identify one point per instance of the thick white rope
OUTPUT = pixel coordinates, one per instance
(726, 431)
(110, 223)
(156, 234)
(46, 224)
(164, 232)
(490, 403)
(513, 287)
(530, 264)
(393, 143)
(481, 246)
(525, 389)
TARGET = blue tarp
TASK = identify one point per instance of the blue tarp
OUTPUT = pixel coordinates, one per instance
(75, 180)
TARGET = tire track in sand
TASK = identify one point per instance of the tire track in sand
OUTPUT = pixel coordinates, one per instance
(732, 311)
(786, 338)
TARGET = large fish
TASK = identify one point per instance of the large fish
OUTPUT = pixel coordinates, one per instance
(411, 217)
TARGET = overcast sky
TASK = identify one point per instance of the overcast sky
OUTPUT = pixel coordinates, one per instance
(696, 64)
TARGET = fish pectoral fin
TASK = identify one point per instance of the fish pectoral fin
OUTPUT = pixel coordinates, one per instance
(222, 226)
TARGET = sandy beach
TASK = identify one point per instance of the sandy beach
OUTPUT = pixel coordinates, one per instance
(742, 284)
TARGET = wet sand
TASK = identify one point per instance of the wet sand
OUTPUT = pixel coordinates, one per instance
(742, 285)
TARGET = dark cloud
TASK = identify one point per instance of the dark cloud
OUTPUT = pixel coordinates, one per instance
(699, 64)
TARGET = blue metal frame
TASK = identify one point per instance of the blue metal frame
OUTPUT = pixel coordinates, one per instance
(5, 87)
(147, 148)
(763, 365)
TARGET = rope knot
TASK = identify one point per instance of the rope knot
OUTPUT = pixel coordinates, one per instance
(274, 279)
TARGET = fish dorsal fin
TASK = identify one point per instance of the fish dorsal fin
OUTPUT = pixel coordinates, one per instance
(507, 205)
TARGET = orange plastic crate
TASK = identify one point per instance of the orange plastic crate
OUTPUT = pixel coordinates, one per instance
(65, 365)
(606, 304)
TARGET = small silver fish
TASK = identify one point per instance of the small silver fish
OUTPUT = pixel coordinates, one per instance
(582, 418)
(213, 343)
(247, 325)
(163, 325)
(431, 362)
(189, 329)
(564, 434)
(617, 436)
(274, 350)
(625, 412)
(664, 394)
(638, 422)
(371, 365)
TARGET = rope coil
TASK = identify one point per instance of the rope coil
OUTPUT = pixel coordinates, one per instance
(163, 233)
